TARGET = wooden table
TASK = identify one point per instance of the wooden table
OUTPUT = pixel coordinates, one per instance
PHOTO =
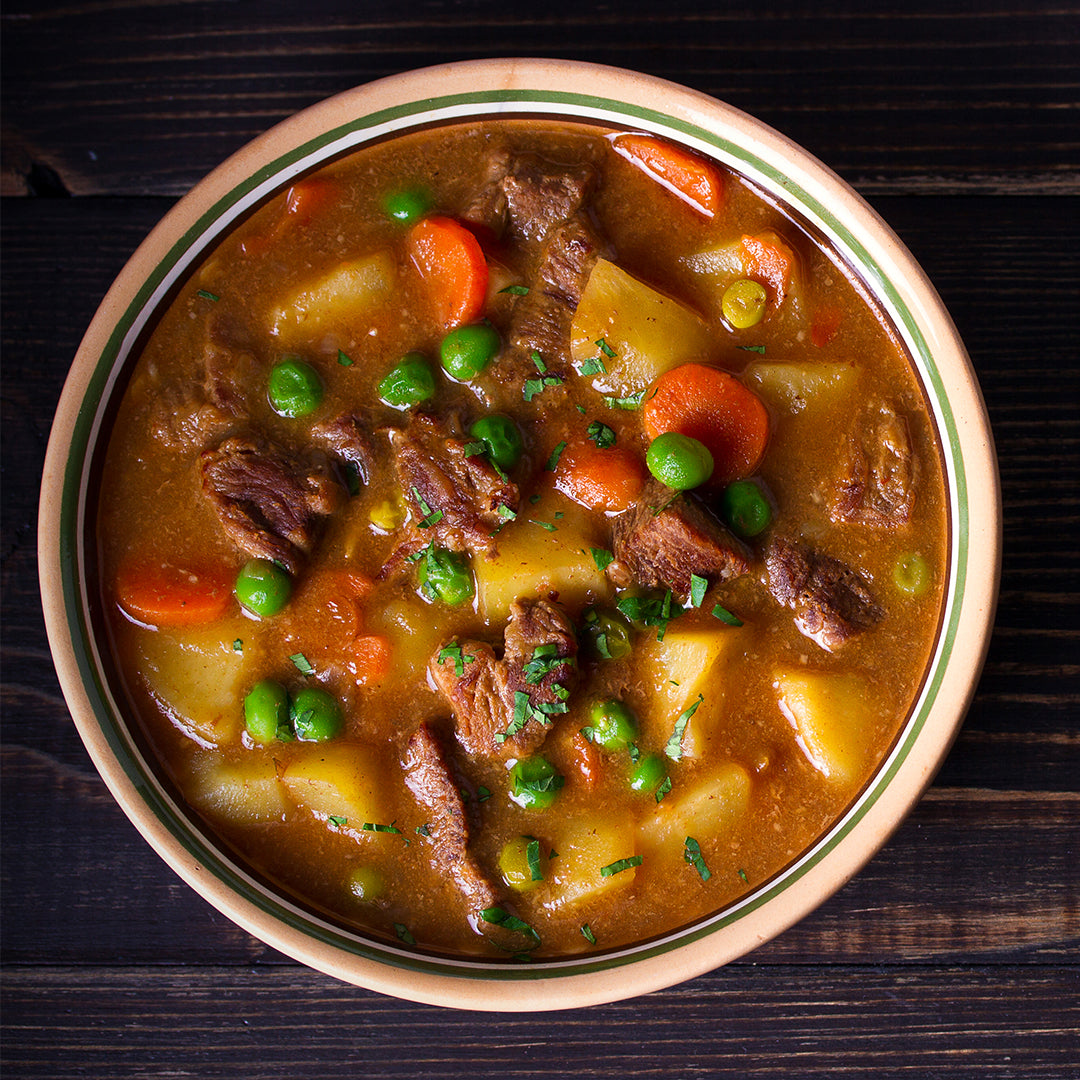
(955, 951)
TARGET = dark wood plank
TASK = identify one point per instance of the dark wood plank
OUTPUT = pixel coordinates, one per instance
(809, 1022)
(144, 97)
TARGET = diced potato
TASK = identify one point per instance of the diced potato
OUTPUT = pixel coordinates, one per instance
(340, 780)
(766, 257)
(719, 265)
(416, 627)
(691, 660)
(828, 713)
(708, 807)
(531, 561)
(649, 333)
(583, 850)
(199, 678)
(242, 794)
(801, 387)
(348, 294)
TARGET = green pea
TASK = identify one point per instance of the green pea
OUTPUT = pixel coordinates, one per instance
(744, 509)
(295, 388)
(366, 883)
(744, 303)
(263, 587)
(911, 574)
(409, 382)
(534, 783)
(648, 773)
(407, 205)
(679, 461)
(609, 635)
(445, 575)
(501, 436)
(266, 712)
(614, 726)
(514, 864)
(315, 715)
(466, 351)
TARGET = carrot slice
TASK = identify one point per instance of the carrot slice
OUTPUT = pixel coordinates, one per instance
(369, 658)
(685, 174)
(768, 259)
(712, 406)
(451, 263)
(824, 325)
(306, 198)
(608, 479)
(586, 760)
(162, 594)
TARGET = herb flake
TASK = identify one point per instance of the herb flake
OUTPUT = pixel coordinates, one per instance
(515, 290)
(207, 295)
(553, 461)
(698, 585)
(302, 664)
(692, 855)
(344, 359)
(673, 749)
(601, 435)
(587, 934)
(620, 865)
(725, 616)
(602, 557)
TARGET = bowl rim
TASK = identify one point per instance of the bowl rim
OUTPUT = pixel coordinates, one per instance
(523, 86)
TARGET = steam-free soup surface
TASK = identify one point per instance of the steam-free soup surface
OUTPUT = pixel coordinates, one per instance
(521, 540)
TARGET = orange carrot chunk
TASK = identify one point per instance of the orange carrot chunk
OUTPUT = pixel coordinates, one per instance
(162, 594)
(712, 406)
(608, 479)
(369, 658)
(306, 198)
(768, 259)
(451, 264)
(690, 177)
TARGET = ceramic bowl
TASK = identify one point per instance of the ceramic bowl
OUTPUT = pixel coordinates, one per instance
(449, 94)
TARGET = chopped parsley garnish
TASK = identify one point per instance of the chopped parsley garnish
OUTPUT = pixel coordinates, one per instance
(344, 359)
(545, 525)
(423, 830)
(515, 290)
(759, 349)
(475, 449)
(538, 360)
(532, 856)
(534, 498)
(553, 461)
(600, 434)
(692, 855)
(674, 744)
(525, 710)
(742, 873)
(238, 645)
(651, 610)
(593, 365)
(431, 517)
(505, 512)
(352, 478)
(663, 789)
(482, 794)
(207, 295)
(632, 401)
(725, 616)
(587, 934)
(302, 664)
(374, 826)
(403, 934)
(533, 387)
(498, 916)
(559, 515)
(620, 865)
(545, 659)
(698, 585)
(602, 557)
(453, 652)
(337, 821)
(605, 348)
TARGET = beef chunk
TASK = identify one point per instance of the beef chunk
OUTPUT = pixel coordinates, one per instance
(877, 484)
(830, 600)
(458, 495)
(540, 194)
(485, 693)
(663, 549)
(541, 321)
(346, 439)
(270, 504)
(487, 207)
(430, 779)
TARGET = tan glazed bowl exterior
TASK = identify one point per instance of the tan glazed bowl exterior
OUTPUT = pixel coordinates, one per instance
(450, 94)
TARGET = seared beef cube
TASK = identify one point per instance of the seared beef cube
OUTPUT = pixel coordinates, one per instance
(877, 484)
(540, 194)
(487, 207)
(830, 600)
(270, 504)
(667, 537)
(430, 779)
(520, 693)
(458, 499)
(541, 321)
(346, 439)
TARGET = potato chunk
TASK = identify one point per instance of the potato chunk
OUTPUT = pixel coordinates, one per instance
(340, 780)
(690, 661)
(199, 679)
(649, 333)
(801, 388)
(348, 295)
(584, 849)
(242, 793)
(828, 713)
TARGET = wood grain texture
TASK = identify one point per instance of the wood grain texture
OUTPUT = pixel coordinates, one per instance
(145, 96)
